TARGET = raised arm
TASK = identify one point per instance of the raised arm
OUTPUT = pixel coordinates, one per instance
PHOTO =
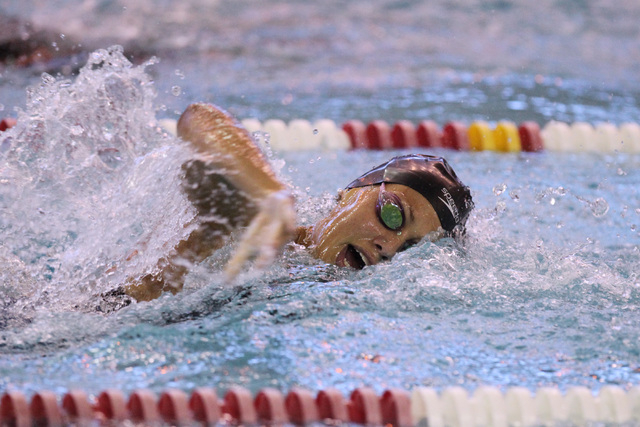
(228, 179)
(220, 140)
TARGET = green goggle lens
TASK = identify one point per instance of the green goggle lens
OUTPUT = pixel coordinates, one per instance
(389, 209)
(391, 216)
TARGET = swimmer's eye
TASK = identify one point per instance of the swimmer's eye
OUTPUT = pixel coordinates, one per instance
(389, 210)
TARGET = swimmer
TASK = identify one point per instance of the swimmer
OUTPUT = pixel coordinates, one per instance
(231, 185)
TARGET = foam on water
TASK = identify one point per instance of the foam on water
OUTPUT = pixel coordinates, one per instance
(87, 175)
(543, 290)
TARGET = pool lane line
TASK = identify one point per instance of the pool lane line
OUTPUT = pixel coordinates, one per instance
(453, 406)
(505, 136)
(238, 406)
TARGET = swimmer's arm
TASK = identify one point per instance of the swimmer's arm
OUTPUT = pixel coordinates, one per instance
(219, 139)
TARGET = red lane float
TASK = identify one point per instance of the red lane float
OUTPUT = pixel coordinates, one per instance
(454, 136)
(238, 404)
(378, 135)
(357, 132)
(403, 135)
(428, 134)
(7, 123)
(331, 405)
(364, 407)
(530, 138)
(301, 407)
(142, 407)
(205, 406)
(14, 410)
(112, 405)
(270, 408)
(395, 405)
(173, 407)
(76, 406)
(44, 409)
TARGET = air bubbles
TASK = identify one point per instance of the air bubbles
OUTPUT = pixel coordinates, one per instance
(315, 131)
(263, 139)
(82, 141)
(111, 58)
(110, 157)
(559, 191)
(179, 73)
(97, 57)
(47, 79)
(176, 90)
(515, 195)
(108, 131)
(623, 214)
(76, 130)
(499, 189)
(599, 207)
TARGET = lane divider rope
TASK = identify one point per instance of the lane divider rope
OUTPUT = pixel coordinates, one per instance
(505, 136)
(454, 406)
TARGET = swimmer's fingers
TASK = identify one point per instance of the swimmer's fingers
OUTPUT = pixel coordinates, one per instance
(246, 250)
(268, 232)
(273, 241)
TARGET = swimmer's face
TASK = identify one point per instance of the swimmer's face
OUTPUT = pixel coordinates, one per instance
(357, 233)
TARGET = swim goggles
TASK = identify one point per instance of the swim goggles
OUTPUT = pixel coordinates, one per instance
(389, 209)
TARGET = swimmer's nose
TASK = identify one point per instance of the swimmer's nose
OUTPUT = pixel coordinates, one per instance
(388, 245)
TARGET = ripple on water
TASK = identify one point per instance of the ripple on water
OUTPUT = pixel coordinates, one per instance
(542, 290)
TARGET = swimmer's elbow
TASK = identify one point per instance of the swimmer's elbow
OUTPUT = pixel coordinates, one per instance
(200, 119)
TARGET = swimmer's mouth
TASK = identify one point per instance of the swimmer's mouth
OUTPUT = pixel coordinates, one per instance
(352, 257)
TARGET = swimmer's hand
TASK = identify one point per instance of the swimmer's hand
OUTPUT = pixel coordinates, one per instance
(268, 232)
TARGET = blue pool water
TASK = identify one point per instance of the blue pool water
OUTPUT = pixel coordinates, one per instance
(544, 290)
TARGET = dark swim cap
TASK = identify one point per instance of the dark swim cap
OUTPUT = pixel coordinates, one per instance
(430, 176)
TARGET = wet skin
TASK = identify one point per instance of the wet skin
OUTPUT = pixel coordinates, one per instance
(353, 234)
